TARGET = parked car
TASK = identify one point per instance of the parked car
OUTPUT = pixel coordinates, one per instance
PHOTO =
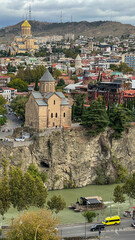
(97, 227)
(133, 223)
(19, 139)
(127, 214)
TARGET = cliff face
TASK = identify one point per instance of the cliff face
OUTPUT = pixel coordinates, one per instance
(72, 157)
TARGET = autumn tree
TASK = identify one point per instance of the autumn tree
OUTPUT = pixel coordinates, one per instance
(56, 203)
(34, 226)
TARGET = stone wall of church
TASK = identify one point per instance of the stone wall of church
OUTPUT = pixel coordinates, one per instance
(32, 113)
(54, 119)
(65, 116)
(43, 117)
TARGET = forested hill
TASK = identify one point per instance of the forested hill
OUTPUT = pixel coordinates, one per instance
(96, 29)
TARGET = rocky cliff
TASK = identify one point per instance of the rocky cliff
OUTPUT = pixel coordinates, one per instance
(71, 157)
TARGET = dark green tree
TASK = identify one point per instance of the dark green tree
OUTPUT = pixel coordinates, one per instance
(78, 107)
(61, 82)
(118, 196)
(119, 116)
(95, 118)
(56, 203)
(113, 67)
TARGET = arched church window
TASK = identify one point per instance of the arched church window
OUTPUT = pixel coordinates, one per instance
(64, 114)
(51, 115)
(56, 115)
(54, 102)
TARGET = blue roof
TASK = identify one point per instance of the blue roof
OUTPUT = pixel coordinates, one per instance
(37, 95)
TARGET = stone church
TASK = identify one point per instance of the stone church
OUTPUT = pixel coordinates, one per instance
(47, 108)
(25, 42)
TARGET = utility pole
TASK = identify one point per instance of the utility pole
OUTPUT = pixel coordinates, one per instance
(85, 228)
(30, 12)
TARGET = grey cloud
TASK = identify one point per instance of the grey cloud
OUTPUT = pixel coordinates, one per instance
(81, 10)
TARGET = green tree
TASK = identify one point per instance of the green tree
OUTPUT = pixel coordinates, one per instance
(18, 84)
(16, 185)
(129, 187)
(119, 116)
(2, 101)
(118, 196)
(75, 79)
(11, 68)
(89, 215)
(40, 193)
(4, 190)
(34, 226)
(61, 82)
(56, 203)
(28, 75)
(18, 106)
(95, 118)
(34, 172)
(123, 67)
(78, 107)
(113, 67)
(3, 110)
(26, 190)
(56, 73)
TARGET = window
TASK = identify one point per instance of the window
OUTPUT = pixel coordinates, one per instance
(64, 115)
(56, 115)
(54, 102)
(51, 115)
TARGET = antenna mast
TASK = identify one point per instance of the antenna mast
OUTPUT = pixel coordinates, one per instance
(30, 12)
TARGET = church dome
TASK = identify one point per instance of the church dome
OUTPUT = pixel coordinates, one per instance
(25, 24)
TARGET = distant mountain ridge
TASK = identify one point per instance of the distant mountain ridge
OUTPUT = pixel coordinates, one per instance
(92, 29)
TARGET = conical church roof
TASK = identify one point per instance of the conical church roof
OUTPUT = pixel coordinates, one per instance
(78, 57)
(25, 24)
(47, 77)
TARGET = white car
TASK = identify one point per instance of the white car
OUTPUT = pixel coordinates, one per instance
(19, 139)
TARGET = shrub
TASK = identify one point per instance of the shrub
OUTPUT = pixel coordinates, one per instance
(89, 215)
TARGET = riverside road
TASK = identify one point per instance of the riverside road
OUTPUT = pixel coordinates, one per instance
(123, 231)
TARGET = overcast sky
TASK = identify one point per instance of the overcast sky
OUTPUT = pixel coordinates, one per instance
(14, 11)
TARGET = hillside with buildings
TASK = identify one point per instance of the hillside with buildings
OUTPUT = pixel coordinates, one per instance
(91, 29)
